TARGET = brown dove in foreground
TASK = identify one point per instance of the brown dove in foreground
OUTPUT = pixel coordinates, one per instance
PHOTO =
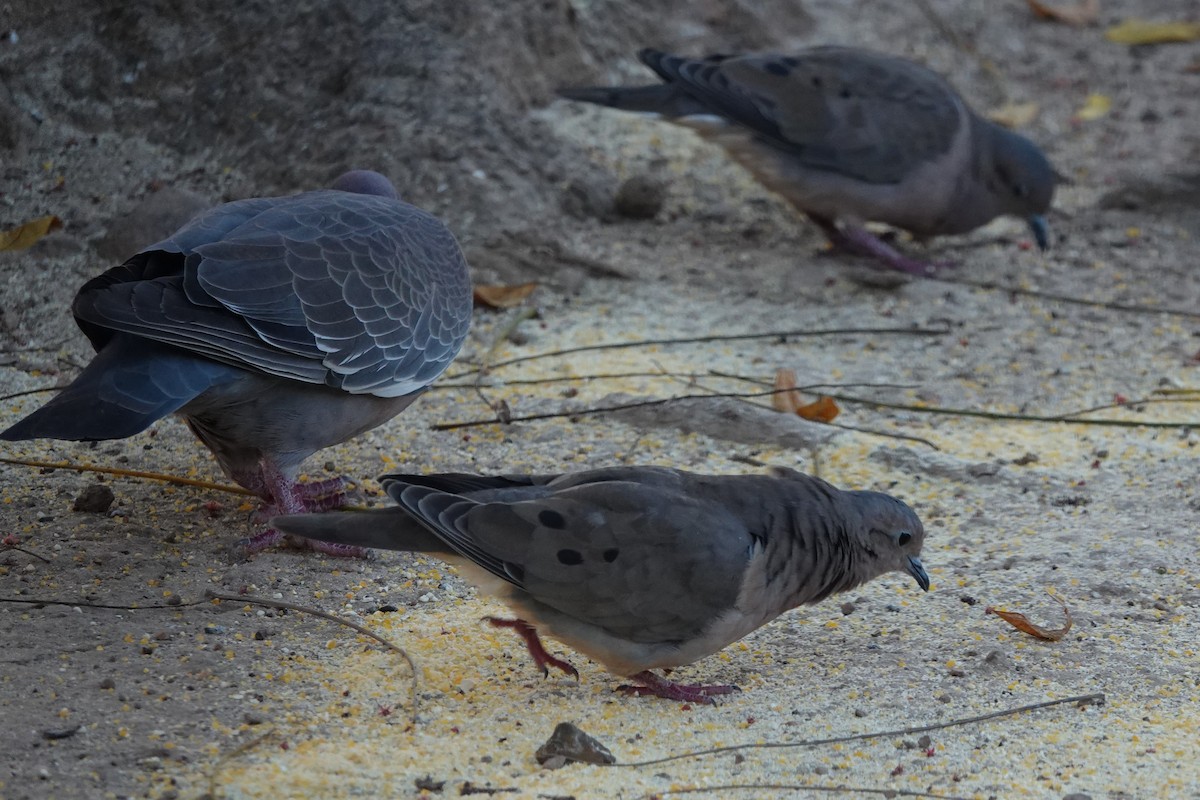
(853, 135)
(640, 568)
(275, 326)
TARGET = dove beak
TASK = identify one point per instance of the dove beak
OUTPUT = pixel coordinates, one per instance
(917, 570)
(1041, 231)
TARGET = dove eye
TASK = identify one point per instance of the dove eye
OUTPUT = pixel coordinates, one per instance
(904, 538)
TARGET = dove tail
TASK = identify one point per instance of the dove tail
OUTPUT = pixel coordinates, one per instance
(662, 99)
(381, 529)
(127, 387)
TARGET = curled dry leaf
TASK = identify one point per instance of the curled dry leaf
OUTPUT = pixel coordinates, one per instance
(1138, 31)
(823, 409)
(1081, 13)
(1022, 623)
(26, 235)
(502, 296)
(787, 400)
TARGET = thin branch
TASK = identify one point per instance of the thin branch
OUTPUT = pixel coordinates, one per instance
(4, 545)
(1068, 299)
(500, 408)
(1065, 419)
(736, 337)
(449, 426)
(800, 787)
(129, 473)
(1083, 700)
(14, 395)
(241, 749)
(87, 604)
(316, 612)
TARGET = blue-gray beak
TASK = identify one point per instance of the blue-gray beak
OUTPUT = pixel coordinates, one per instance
(1041, 231)
(917, 570)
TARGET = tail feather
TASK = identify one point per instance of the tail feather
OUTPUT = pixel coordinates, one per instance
(662, 99)
(129, 385)
(382, 529)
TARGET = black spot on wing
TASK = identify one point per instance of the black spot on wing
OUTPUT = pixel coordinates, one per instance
(610, 555)
(552, 519)
(570, 557)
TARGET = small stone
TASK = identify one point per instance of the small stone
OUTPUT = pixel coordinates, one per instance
(858, 712)
(848, 609)
(108, 683)
(572, 744)
(174, 600)
(968, 599)
(253, 718)
(821, 770)
(1077, 796)
(925, 742)
(428, 784)
(640, 197)
(95, 499)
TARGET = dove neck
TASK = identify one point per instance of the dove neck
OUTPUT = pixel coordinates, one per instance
(825, 556)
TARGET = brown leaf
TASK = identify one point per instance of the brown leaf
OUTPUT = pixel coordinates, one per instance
(782, 400)
(824, 409)
(502, 296)
(1139, 31)
(26, 235)
(1081, 13)
(787, 400)
(1021, 623)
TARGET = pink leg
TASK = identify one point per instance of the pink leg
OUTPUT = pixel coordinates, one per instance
(288, 497)
(687, 692)
(534, 644)
(861, 242)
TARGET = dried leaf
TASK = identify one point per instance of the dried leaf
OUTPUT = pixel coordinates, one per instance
(1014, 115)
(26, 235)
(1021, 623)
(1095, 107)
(785, 401)
(1139, 31)
(824, 409)
(502, 296)
(1081, 13)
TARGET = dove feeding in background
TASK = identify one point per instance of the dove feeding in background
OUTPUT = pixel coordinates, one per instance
(849, 134)
(275, 327)
(640, 568)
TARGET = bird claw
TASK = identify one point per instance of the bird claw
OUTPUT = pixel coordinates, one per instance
(651, 684)
(242, 549)
(859, 241)
(533, 644)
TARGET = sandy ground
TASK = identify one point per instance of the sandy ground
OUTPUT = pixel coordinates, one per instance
(119, 678)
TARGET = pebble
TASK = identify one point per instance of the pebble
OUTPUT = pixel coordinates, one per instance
(95, 499)
(640, 197)
(569, 743)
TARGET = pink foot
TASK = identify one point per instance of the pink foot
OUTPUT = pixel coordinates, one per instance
(861, 242)
(288, 497)
(686, 692)
(534, 644)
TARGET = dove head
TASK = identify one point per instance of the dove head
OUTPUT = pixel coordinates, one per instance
(894, 536)
(1023, 180)
(364, 181)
